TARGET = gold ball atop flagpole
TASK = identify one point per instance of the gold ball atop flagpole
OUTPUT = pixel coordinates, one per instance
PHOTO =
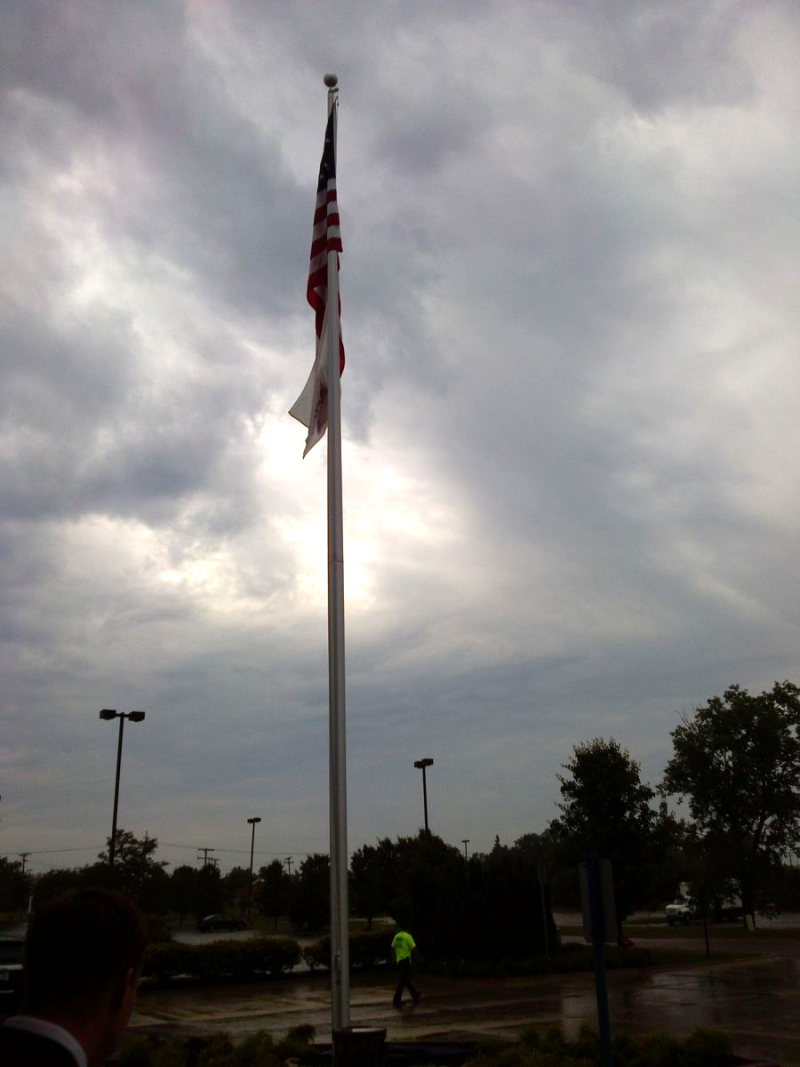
(331, 80)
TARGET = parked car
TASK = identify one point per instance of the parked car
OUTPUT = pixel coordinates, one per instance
(220, 922)
(12, 950)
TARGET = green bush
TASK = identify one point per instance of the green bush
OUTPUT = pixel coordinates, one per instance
(165, 961)
(550, 1048)
(257, 1050)
(237, 960)
(368, 949)
(317, 954)
(371, 948)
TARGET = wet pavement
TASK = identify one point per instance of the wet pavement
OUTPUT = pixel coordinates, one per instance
(756, 1001)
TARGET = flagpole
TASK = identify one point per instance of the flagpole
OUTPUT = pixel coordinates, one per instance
(340, 948)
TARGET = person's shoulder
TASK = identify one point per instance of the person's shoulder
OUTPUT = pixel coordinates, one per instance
(20, 1047)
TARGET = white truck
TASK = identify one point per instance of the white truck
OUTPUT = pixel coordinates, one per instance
(681, 910)
(684, 909)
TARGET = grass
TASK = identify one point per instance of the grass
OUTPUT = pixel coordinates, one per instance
(716, 931)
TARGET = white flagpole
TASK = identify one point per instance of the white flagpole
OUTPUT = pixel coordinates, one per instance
(340, 947)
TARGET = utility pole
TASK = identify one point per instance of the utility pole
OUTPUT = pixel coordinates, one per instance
(205, 852)
(465, 841)
(289, 865)
(23, 856)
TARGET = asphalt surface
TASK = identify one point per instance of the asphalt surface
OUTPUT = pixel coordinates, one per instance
(756, 1001)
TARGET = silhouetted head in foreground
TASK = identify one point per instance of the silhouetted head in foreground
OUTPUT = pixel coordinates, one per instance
(83, 956)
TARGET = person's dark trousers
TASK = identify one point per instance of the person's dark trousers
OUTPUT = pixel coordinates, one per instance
(404, 982)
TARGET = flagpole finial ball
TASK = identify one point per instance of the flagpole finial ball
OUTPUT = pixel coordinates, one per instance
(331, 80)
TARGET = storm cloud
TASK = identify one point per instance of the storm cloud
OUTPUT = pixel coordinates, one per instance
(570, 404)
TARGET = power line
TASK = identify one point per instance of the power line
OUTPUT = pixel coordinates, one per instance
(238, 851)
(49, 851)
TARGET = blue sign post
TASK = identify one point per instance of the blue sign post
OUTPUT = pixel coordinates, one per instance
(599, 911)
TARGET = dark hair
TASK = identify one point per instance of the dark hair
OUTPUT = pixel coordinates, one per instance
(80, 944)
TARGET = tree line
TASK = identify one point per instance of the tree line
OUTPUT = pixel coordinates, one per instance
(735, 770)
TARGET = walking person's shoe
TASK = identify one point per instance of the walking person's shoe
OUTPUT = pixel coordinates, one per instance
(397, 1003)
(415, 995)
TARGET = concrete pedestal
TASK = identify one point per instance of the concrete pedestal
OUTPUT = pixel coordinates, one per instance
(359, 1046)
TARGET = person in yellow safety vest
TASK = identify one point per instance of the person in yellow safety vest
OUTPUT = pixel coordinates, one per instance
(404, 948)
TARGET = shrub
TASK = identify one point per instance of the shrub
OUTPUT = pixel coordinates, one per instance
(317, 954)
(165, 961)
(369, 949)
(219, 1052)
(550, 1048)
(258, 1050)
(296, 1043)
(238, 960)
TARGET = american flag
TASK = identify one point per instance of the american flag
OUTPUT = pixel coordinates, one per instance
(311, 407)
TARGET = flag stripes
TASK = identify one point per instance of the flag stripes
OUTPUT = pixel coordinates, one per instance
(311, 407)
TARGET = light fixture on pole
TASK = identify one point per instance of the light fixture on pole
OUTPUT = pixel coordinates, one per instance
(422, 764)
(252, 822)
(107, 714)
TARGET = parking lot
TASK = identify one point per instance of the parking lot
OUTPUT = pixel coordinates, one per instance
(756, 1001)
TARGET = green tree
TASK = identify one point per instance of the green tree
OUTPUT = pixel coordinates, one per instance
(57, 881)
(373, 876)
(309, 903)
(429, 894)
(607, 809)
(183, 890)
(237, 884)
(15, 885)
(737, 760)
(272, 896)
(138, 873)
(209, 896)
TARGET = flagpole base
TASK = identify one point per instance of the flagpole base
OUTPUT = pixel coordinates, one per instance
(359, 1046)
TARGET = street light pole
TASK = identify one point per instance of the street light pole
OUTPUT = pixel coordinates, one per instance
(252, 822)
(112, 850)
(423, 764)
(107, 714)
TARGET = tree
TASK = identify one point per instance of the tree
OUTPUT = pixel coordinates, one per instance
(373, 876)
(209, 896)
(606, 809)
(309, 903)
(138, 873)
(183, 890)
(272, 897)
(737, 760)
(15, 885)
(237, 886)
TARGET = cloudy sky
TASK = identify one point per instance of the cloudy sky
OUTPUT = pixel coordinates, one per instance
(570, 416)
